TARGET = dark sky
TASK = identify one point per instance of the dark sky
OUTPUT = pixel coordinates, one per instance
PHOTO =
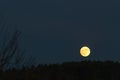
(54, 30)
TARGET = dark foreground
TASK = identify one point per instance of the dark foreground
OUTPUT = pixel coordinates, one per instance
(85, 70)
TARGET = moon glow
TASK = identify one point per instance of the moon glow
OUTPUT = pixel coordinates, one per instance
(85, 51)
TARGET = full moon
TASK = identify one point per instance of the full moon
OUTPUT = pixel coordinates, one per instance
(85, 51)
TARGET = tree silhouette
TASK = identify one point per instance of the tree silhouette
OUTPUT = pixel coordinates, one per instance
(10, 54)
(85, 70)
(9, 51)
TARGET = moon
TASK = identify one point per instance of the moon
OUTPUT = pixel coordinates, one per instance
(85, 51)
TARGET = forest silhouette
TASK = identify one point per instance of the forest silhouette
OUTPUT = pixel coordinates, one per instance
(84, 70)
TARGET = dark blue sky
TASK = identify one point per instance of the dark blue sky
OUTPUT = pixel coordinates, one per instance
(54, 30)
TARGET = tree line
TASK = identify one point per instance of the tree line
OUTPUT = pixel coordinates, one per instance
(84, 70)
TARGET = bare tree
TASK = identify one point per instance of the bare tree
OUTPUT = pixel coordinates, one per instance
(10, 53)
(9, 50)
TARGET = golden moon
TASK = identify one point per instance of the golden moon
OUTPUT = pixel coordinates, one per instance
(85, 51)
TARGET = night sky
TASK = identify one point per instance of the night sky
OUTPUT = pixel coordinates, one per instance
(54, 30)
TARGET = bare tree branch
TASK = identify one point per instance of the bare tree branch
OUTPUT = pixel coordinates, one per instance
(10, 53)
